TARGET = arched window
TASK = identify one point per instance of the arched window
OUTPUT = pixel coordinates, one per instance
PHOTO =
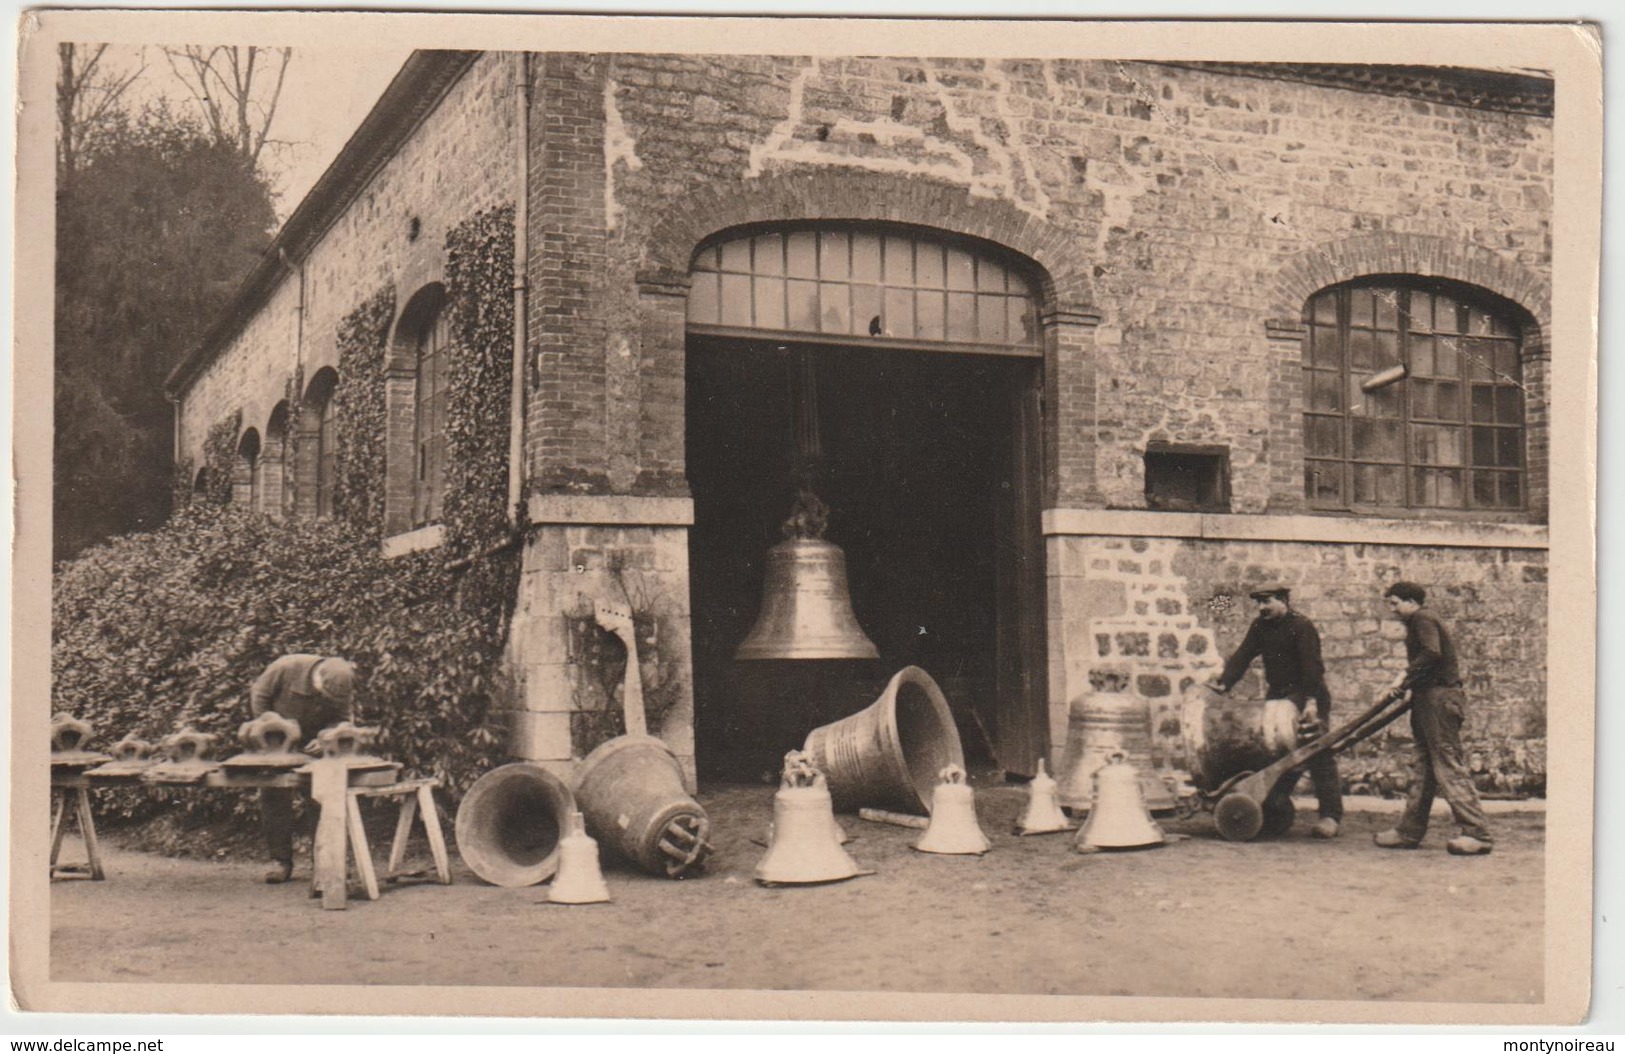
(245, 483)
(1413, 398)
(429, 419)
(890, 285)
(274, 463)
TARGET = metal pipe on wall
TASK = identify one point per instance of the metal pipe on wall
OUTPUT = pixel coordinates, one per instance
(521, 241)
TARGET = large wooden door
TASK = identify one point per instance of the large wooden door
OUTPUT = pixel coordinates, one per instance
(1022, 735)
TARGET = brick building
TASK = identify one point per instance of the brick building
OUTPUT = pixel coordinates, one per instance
(1088, 340)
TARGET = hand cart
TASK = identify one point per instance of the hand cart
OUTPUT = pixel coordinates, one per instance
(1250, 803)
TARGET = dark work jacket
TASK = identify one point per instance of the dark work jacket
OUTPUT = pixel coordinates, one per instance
(286, 687)
(1293, 669)
(1431, 653)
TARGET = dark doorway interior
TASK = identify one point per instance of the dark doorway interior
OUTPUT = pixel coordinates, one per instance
(920, 451)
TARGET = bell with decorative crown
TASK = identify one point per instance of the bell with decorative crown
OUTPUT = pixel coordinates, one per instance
(579, 880)
(806, 844)
(1043, 815)
(1119, 819)
(953, 829)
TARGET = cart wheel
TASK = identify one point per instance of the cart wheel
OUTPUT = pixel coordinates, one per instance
(1238, 817)
(1279, 813)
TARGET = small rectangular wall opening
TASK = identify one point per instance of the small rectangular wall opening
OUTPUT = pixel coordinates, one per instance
(1187, 478)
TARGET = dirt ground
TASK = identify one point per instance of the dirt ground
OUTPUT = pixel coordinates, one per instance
(1292, 918)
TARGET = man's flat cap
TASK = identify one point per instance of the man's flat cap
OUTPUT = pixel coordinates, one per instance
(1270, 589)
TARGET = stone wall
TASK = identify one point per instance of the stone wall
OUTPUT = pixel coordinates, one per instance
(1156, 615)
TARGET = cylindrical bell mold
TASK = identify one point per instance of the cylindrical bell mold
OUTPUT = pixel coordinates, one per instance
(1226, 736)
(888, 755)
(511, 822)
(630, 789)
(1099, 725)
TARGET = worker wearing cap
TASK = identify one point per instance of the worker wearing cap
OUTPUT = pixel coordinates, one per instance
(1438, 706)
(1290, 647)
(316, 691)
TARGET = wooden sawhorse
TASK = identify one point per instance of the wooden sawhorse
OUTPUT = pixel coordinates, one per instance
(417, 801)
(73, 793)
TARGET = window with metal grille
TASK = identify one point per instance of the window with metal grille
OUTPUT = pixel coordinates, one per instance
(327, 449)
(864, 285)
(429, 421)
(1413, 398)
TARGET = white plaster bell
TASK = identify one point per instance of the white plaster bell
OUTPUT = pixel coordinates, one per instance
(1043, 815)
(579, 880)
(953, 829)
(806, 842)
(1119, 819)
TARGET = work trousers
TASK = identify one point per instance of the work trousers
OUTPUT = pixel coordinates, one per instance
(276, 821)
(1437, 766)
(1322, 772)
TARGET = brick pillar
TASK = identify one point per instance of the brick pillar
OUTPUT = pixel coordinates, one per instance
(662, 319)
(567, 439)
(1283, 451)
(1070, 407)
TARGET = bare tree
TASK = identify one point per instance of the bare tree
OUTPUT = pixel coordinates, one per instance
(235, 89)
(87, 97)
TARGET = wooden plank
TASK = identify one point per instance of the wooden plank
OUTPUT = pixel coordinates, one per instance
(329, 788)
(87, 831)
(58, 826)
(359, 847)
(403, 834)
(431, 827)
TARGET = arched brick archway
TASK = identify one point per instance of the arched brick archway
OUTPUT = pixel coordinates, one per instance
(1060, 265)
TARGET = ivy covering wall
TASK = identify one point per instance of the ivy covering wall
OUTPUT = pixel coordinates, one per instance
(363, 346)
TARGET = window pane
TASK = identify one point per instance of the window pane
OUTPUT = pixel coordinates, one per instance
(1509, 447)
(866, 310)
(1324, 436)
(770, 254)
(836, 300)
(929, 321)
(1323, 482)
(1424, 399)
(1506, 361)
(899, 260)
(1480, 356)
(1386, 349)
(1387, 302)
(1484, 446)
(1022, 327)
(1447, 358)
(804, 305)
(865, 257)
(1448, 399)
(1436, 488)
(1360, 307)
(803, 254)
(702, 298)
(989, 277)
(1378, 441)
(770, 303)
(1323, 309)
(1435, 445)
(1421, 349)
(833, 255)
(990, 319)
(1327, 352)
(709, 260)
(1483, 403)
(928, 262)
(1484, 490)
(962, 316)
(1379, 485)
(1509, 405)
(1444, 315)
(1511, 490)
(736, 300)
(1362, 350)
(1478, 323)
(736, 256)
(1420, 313)
(1325, 391)
(1384, 402)
(961, 270)
(899, 317)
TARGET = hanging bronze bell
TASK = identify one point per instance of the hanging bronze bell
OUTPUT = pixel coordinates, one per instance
(1119, 819)
(953, 829)
(806, 607)
(806, 846)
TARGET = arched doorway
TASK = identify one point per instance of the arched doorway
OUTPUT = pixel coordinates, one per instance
(926, 358)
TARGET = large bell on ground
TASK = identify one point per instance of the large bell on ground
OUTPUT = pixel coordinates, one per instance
(953, 829)
(1100, 724)
(806, 845)
(806, 607)
(888, 755)
(511, 822)
(1119, 819)
(630, 789)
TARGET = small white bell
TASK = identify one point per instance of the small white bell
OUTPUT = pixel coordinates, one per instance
(1043, 815)
(579, 880)
(953, 829)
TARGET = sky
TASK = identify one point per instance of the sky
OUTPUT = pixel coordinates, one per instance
(325, 95)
